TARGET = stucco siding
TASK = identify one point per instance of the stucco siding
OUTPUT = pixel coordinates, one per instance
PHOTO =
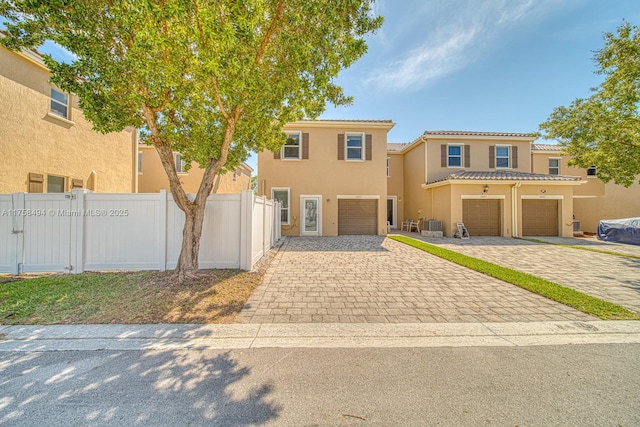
(33, 141)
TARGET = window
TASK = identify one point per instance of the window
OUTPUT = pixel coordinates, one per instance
(179, 164)
(502, 156)
(592, 172)
(554, 166)
(59, 103)
(354, 146)
(388, 167)
(282, 196)
(139, 161)
(55, 184)
(454, 156)
(291, 149)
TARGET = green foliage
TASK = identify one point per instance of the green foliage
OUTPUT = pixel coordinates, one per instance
(586, 303)
(604, 129)
(198, 64)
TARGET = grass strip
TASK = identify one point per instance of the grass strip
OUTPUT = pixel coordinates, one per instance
(586, 303)
(582, 248)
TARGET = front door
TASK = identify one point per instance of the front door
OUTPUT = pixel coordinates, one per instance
(311, 214)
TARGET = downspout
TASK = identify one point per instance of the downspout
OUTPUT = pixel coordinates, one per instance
(514, 209)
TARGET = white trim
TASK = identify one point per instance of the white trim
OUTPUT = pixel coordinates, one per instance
(355, 124)
(559, 159)
(62, 119)
(318, 198)
(288, 133)
(394, 199)
(359, 196)
(288, 208)
(482, 196)
(542, 196)
(363, 146)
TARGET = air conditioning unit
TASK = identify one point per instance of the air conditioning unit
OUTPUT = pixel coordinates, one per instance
(576, 227)
(432, 225)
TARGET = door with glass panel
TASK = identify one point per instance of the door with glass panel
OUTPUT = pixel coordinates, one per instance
(311, 215)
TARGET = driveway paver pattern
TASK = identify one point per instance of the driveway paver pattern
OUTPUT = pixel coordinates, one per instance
(358, 279)
(609, 277)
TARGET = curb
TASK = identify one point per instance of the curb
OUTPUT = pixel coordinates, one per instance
(313, 335)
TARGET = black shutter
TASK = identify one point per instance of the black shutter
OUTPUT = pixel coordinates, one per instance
(369, 147)
(305, 146)
(443, 155)
(514, 157)
(492, 157)
(276, 155)
(341, 146)
(467, 156)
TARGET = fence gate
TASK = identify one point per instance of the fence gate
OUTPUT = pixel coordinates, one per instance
(41, 230)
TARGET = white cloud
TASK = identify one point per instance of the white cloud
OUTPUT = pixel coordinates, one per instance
(449, 36)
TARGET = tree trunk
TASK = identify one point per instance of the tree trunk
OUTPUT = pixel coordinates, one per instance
(191, 234)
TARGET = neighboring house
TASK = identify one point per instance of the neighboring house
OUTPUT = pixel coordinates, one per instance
(481, 179)
(45, 141)
(593, 201)
(153, 178)
(330, 177)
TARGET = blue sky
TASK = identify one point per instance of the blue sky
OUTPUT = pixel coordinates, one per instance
(483, 65)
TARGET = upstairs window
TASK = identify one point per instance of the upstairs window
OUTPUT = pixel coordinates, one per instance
(592, 172)
(180, 164)
(59, 104)
(454, 156)
(354, 146)
(291, 149)
(502, 157)
(554, 166)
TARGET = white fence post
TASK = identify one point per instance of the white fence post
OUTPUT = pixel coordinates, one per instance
(246, 228)
(162, 230)
(17, 200)
(76, 246)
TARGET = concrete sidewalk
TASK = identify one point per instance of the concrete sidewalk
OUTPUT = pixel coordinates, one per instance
(327, 335)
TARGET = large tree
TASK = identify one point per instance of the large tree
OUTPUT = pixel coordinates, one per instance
(210, 79)
(604, 129)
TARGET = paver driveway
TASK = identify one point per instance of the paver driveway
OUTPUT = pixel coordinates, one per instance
(374, 279)
(609, 277)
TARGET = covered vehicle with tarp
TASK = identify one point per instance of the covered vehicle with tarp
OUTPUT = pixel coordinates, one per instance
(620, 230)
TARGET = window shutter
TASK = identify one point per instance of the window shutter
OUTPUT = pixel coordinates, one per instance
(492, 156)
(276, 155)
(443, 155)
(514, 157)
(36, 183)
(369, 147)
(467, 156)
(341, 146)
(76, 183)
(305, 146)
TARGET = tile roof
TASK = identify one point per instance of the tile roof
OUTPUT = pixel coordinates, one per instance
(474, 133)
(504, 176)
(545, 147)
(348, 120)
(395, 146)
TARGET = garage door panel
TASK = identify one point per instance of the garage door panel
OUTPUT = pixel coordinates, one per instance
(481, 216)
(540, 217)
(357, 217)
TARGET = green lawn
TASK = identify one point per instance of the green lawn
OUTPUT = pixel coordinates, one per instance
(578, 300)
(215, 296)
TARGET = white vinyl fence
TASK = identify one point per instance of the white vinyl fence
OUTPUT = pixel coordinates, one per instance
(84, 231)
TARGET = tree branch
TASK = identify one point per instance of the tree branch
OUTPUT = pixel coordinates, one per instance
(272, 29)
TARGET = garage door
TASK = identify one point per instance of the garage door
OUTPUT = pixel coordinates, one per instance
(357, 216)
(481, 217)
(539, 217)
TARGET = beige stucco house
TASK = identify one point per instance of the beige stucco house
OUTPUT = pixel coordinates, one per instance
(45, 141)
(593, 201)
(152, 177)
(483, 180)
(330, 177)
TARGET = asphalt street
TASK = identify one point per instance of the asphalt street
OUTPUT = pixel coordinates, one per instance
(568, 385)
